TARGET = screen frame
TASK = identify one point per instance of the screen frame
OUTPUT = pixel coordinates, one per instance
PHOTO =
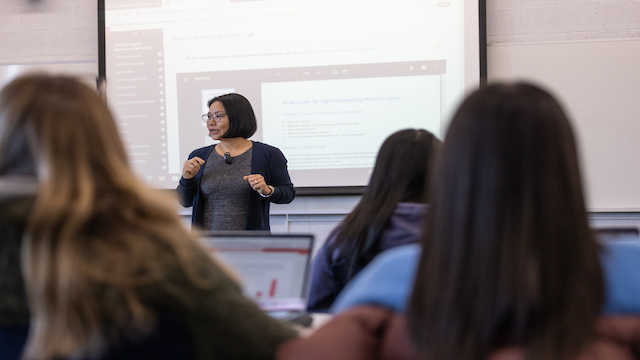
(325, 190)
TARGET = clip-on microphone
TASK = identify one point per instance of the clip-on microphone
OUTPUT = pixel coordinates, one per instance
(227, 158)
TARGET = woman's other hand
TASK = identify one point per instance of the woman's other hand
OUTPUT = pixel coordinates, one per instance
(258, 184)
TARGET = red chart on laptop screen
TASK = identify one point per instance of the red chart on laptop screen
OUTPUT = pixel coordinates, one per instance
(273, 268)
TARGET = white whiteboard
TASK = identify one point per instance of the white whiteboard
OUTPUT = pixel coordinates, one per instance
(599, 85)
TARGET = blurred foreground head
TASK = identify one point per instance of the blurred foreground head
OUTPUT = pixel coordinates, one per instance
(96, 232)
(508, 256)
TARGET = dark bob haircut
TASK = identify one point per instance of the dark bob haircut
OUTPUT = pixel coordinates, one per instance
(242, 119)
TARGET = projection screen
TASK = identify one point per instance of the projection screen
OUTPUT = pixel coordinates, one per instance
(328, 80)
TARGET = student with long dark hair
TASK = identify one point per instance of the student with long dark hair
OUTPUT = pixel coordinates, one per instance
(109, 270)
(389, 214)
(508, 267)
(508, 257)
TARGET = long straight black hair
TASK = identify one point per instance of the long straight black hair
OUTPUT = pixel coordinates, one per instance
(401, 174)
(508, 257)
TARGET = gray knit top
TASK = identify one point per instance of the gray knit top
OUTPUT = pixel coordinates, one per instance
(225, 191)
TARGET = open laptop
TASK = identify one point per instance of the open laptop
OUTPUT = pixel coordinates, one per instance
(274, 268)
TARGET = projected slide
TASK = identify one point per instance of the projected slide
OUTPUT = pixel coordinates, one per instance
(329, 81)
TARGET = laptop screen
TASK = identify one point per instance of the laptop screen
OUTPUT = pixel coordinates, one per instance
(274, 269)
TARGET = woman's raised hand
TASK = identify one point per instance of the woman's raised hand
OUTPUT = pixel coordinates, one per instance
(191, 167)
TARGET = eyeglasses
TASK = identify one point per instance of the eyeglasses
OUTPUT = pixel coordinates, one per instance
(208, 117)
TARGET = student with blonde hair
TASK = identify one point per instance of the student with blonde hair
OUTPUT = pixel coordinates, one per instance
(108, 267)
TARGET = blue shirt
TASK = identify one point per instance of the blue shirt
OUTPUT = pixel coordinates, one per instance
(333, 261)
(388, 279)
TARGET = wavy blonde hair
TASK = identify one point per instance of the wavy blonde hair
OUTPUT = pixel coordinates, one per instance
(96, 234)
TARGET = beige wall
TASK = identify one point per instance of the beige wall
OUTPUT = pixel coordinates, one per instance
(587, 54)
(48, 31)
(535, 21)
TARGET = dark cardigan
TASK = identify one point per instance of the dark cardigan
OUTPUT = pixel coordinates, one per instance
(267, 161)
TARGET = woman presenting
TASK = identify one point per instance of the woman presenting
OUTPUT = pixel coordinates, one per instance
(231, 184)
